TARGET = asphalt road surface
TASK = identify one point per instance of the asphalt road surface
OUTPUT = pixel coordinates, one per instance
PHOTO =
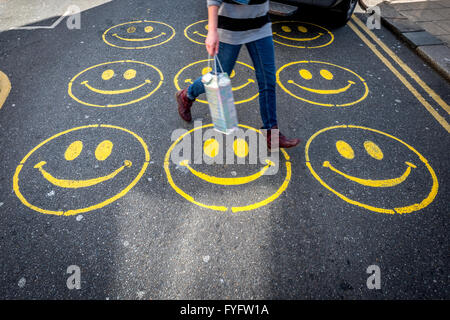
(88, 176)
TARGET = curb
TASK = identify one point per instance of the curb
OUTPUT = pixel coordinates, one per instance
(427, 46)
(5, 88)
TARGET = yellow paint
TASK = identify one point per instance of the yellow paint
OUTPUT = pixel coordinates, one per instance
(131, 29)
(264, 202)
(177, 84)
(404, 66)
(187, 30)
(326, 35)
(164, 36)
(206, 70)
(103, 150)
(129, 74)
(5, 88)
(16, 180)
(73, 151)
(345, 150)
(330, 91)
(406, 209)
(286, 29)
(373, 150)
(143, 66)
(374, 183)
(326, 74)
(138, 39)
(108, 74)
(233, 74)
(75, 184)
(363, 82)
(298, 39)
(240, 147)
(305, 74)
(405, 82)
(109, 92)
(211, 148)
(227, 181)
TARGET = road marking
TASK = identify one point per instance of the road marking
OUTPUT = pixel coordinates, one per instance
(404, 66)
(408, 85)
(5, 88)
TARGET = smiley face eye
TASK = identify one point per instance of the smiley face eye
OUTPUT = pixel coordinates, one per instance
(207, 27)
(302, 29)
(240, 147)
(286, 29)
(148, 29)
(345, 150)
(305, 74)
(233, 74)
(73, 151)
(103, 150)
(129, 74)
(206, 70)
(326, 74)
(211, 148)
(107, 74)
(131, 29)
(373, 150)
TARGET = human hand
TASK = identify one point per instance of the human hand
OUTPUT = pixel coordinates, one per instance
(212, 43)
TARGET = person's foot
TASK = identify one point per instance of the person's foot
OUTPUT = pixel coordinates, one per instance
(184, 105)
(275, 140)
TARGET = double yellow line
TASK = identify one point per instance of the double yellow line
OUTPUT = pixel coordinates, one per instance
(405, 68)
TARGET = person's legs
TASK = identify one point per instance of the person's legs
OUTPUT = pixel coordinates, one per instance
(227, 55)
(263, 57)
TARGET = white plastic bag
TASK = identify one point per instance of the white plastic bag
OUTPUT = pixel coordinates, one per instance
(220, 99)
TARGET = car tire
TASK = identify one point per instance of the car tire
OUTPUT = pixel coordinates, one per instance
(343, 12)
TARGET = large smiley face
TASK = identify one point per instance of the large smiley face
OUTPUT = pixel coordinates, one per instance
(322, 83)
(301, 34)
(371, 169)
(115, 84)
(81, 169)
(138, 34)
(197, 32)
(224, 187)
(245, 88)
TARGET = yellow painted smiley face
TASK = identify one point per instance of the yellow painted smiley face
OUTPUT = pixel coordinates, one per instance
(245, 87)
(81, 169)
(224, 187)
(115, 84)
(322, 83)
(371, 169)
(197, 32)
(140, 34)
(301, 34)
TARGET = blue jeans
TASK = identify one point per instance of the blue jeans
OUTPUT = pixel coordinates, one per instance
(263, 57)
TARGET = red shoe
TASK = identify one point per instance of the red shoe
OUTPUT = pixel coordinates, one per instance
(184, 105)
(275, 140)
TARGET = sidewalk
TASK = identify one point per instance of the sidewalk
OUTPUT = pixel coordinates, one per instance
(423, 24)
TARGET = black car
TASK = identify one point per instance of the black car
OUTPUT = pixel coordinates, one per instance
(342, 9)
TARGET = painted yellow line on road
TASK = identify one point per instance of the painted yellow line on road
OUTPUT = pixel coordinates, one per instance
(408, 85)
(404, 66)
(5, 88)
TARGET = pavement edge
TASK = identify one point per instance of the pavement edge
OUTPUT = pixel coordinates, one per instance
(428, 47)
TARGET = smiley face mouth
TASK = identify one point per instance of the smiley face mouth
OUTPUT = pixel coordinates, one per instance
(201, 35)
(228, 181)
(296, 39)
(74, 184)
(374, 183)
(249, 81)
(332, 91)
(113, 92)
(138, 39)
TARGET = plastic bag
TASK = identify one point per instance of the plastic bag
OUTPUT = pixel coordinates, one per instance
(220, 99)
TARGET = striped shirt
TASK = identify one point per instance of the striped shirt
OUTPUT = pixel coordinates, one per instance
(239, 24)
